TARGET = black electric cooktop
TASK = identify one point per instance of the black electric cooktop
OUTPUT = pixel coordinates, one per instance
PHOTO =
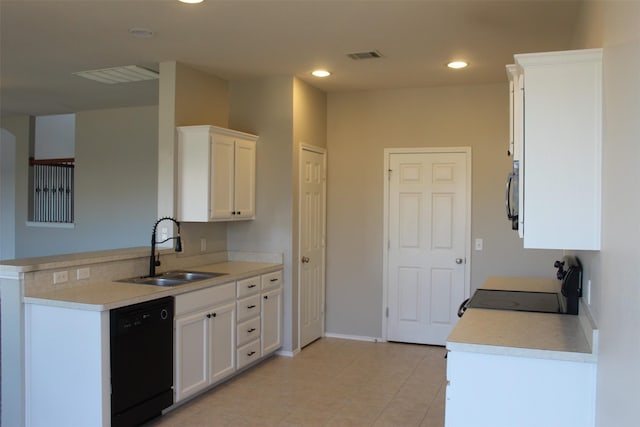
(541, 302)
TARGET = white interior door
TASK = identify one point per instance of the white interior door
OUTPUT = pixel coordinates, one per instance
(428, 234)
(312, 244)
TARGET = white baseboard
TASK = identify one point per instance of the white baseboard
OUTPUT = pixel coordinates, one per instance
(288, 353)
(353, 337)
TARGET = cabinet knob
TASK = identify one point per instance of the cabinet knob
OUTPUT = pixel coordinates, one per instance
(208, 315)
(213, 315)
(305, 259)
(266, 297)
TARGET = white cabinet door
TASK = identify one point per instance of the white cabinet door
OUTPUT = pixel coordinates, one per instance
(245, 179)
(191, 354)
(222, 177)
(271, 321)
(221, 342)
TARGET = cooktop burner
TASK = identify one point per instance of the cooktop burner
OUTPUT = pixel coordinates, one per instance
(542, 302)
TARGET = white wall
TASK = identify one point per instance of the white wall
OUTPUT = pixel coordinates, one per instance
(55, 136)
(7, 194)
(360, 126)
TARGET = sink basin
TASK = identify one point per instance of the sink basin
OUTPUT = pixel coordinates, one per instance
(172, 278)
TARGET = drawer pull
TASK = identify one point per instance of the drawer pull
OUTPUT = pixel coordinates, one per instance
(274, 280)
(251, 354)
(251, 330)
(251, 286)
(251, 306)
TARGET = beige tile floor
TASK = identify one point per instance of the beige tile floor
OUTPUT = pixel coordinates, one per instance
(332, 382)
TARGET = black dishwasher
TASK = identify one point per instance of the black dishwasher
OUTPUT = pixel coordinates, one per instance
(141, 361)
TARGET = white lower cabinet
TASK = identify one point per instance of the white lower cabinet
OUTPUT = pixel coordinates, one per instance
(224, 328)
(271, 321)
(205, 339)
(490, 390)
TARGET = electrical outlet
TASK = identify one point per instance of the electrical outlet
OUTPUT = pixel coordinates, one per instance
(82, 273)
(60, 277)
(479, 244)
(203, 245)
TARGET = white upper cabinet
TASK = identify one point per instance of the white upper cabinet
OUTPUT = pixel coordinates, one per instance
(560, 160)
(216, 174)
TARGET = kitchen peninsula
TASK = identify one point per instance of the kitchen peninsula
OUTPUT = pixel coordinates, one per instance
(507, 368)
(55, 337)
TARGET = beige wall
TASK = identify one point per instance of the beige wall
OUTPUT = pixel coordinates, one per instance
(115, 186)
(264, 107)
(360, 126)
(187, 97)
(615, 270)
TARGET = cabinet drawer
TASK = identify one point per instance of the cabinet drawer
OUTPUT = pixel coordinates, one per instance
(195, 300)
(248, 353)
(248, 286)
(272, 280)
(248, 331)
(248, 307)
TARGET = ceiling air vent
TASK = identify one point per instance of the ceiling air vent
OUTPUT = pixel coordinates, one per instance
(126, 74)
(371, 54)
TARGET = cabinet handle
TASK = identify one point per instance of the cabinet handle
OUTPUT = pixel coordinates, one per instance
(266, 297)
(273, 280)
(251, 330)
(251, 306)
(251, 286)
(208, 315)
(213, 315)
(251, 354)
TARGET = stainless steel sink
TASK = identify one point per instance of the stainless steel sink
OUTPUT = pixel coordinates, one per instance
(172, 278)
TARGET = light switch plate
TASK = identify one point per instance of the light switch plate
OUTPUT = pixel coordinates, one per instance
(479, 244)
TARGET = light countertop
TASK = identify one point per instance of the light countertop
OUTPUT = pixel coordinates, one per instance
(518, 333)
(106, 295)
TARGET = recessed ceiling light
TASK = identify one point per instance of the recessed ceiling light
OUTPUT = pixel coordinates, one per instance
(457, 64)
(321, 73)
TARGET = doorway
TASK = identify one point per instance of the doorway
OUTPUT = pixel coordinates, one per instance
(312, 232)
(427, 242)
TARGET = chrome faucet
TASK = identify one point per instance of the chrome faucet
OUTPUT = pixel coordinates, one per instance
(154, 260)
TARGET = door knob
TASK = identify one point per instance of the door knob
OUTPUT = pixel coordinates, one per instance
(305, 259)
(459, 260)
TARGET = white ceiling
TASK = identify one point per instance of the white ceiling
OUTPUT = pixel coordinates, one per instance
(43, 42)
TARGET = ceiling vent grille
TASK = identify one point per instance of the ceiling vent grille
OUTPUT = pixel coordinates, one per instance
(126, 74)
(371, 54)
